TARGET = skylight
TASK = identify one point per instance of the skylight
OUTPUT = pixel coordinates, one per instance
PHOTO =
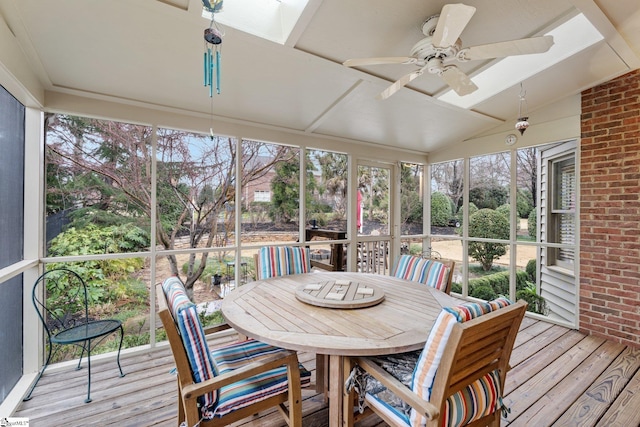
(270, 19)
(569, 38)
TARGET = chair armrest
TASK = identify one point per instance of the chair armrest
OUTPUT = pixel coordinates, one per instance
(289, 357)
(403, 392)
(216, 328)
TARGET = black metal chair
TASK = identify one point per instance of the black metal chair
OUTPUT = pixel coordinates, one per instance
(65, 317)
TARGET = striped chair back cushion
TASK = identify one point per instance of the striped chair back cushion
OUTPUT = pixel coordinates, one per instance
(195, 344)
(283, 260)
(477, 400)
(427, 271)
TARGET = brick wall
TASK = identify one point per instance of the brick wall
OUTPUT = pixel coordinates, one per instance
(610, 210)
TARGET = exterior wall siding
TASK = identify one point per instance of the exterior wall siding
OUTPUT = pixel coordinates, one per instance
(610, 210)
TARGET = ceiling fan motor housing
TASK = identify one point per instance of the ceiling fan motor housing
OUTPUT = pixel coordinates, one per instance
(424, 51)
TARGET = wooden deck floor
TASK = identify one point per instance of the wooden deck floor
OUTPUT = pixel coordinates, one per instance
(559, 377)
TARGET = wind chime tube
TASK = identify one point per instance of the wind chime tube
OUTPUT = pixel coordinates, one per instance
(204, 74)
(218, 71)
(211, 66)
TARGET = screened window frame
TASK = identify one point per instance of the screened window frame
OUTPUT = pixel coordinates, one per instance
(562, 215)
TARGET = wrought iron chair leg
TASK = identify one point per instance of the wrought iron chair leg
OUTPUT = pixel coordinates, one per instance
(33, 386)
(119, 348)
(81, 355)
(88, 399)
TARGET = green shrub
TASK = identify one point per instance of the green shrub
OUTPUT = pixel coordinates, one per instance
(506, 211)
(531, 269)
(490, 196)
(456, 288)
(498, 282)
(524, 202)
(537, 304)
(488, 223)
(440, 210)
(484, 292)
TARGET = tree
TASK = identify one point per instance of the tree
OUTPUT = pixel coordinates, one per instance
(448, 179)
(374, 187)
(488, 224)
(285, 186)
(410, 195)
(108, 168)
(333, 169)
(527, 179)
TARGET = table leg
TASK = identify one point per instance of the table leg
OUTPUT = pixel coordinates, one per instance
(322, 373)
(336, 384)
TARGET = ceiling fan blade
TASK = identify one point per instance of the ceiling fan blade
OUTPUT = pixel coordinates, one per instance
(452, 21)
(373, 61)
(399, 84)
(508, 48)
(459, 81)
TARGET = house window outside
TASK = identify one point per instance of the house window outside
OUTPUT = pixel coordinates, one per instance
(261, 196)
(563, 211)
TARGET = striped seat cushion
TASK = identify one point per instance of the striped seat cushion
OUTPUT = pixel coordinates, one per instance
(254, 389)
(186, 316)
(427, 271)
(283, 260)
(475, 401)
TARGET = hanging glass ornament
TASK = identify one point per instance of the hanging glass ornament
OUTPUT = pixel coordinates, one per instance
(523, 121)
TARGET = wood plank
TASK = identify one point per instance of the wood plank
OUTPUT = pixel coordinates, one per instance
(522, 372)
(601, 394)
(536, 343)
(536, 387)
(147, 394)
(554, 402)
(624, 410)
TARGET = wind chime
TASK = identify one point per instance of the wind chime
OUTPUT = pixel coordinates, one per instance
(212, 53)
(213, 41)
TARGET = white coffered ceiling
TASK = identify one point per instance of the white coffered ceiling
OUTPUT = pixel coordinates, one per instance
(149, 52)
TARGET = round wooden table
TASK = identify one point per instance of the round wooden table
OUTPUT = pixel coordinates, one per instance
(269, 311)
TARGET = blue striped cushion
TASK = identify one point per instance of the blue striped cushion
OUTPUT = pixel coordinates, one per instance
(427, 271)
(186, 316)
(283, 260)
(254, 389)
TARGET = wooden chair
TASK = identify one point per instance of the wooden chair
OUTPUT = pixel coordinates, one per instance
(465, 359)
(437, 273)
(221, 386)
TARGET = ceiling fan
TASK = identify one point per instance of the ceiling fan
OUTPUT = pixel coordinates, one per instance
(442, 47)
